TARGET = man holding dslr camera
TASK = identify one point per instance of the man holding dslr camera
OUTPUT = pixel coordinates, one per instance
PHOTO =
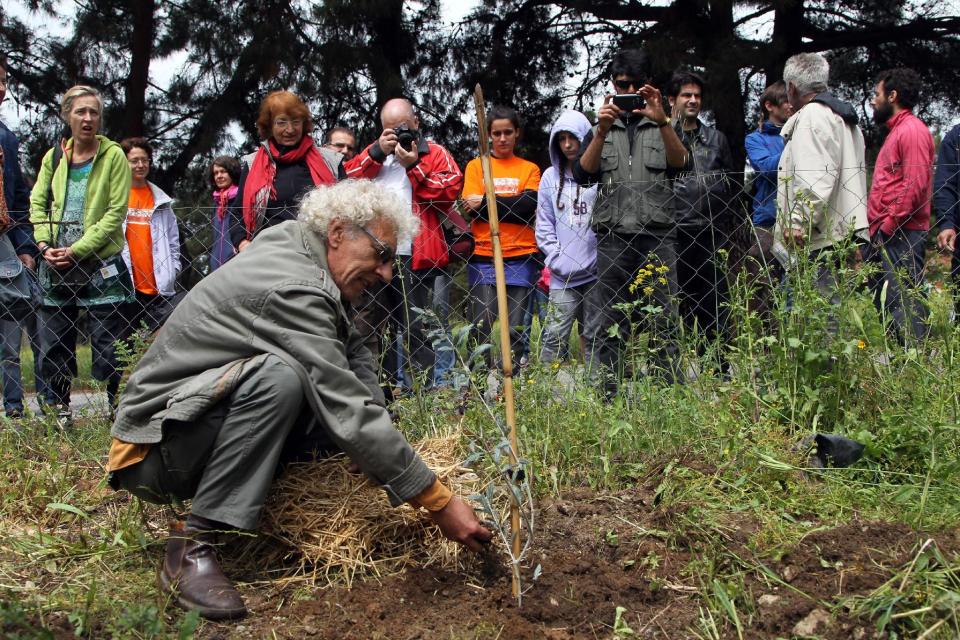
(426, 176)
(633, 153)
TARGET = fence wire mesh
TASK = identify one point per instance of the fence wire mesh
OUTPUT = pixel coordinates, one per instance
(643, 280)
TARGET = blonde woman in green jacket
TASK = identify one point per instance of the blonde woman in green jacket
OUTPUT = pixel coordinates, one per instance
(77, 208)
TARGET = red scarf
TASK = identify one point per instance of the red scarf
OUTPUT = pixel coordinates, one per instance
(223, 197)
(259, 187)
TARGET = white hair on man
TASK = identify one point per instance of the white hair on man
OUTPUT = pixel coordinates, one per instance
(808, 72)
(357, 202)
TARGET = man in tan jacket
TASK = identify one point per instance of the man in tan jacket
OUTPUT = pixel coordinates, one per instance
(822, 177)
(260, 361)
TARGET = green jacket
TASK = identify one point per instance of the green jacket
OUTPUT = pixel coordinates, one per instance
(635, 186)
(108, 192)
(279, 298)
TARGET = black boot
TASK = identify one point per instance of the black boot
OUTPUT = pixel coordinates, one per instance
(191, 574)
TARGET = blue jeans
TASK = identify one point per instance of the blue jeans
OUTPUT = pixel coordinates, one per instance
(11, 333)
(566, 305)
(443, 345)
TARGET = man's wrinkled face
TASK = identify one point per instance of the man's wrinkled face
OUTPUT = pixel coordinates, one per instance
(360, 257)
(883, 103)
(689, 101)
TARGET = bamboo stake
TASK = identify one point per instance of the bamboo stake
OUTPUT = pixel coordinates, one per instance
(504, 318)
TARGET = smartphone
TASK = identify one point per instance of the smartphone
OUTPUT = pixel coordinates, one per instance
(629, 102)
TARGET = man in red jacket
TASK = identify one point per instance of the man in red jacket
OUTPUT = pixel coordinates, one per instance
(898, 209)
(424, 174)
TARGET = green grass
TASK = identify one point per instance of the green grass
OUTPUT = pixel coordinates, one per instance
(75, 556)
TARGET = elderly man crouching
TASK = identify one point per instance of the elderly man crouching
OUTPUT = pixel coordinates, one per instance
(261, 361)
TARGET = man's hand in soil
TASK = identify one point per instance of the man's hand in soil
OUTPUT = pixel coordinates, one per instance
(459, 523)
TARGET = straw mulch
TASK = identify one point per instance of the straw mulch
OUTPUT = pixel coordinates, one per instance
(333, 526)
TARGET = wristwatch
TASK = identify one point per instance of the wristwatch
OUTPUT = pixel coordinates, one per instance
(666, 122)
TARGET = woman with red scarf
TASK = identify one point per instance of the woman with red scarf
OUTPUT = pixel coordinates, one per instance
(287, 164)
(224, 176)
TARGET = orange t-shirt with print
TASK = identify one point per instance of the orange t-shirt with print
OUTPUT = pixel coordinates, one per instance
(139, 212)
(511, 177)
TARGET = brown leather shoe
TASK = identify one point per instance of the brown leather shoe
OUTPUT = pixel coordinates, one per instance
(191, 575)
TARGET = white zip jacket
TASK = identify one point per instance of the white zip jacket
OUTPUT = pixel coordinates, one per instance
(165, 238)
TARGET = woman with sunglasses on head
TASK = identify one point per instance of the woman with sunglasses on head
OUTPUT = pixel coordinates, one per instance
(515, 182)
(287, 164)
(224, 176)
(77, 208)
(152, 248)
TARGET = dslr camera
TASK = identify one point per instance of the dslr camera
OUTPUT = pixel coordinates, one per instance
(407, 137)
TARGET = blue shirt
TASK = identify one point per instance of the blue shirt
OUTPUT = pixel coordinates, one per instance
(764, 148)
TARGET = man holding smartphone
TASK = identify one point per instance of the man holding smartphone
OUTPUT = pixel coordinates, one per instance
(633, 153)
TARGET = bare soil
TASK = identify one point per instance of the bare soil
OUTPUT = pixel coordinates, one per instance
(587, 572)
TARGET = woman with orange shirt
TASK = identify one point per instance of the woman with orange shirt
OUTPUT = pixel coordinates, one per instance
(515, 182)
(152, 248)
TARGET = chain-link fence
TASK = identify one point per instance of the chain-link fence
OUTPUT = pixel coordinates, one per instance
(631, 279)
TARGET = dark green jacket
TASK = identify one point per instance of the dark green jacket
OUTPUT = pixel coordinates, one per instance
(635, 186)
(279, 298)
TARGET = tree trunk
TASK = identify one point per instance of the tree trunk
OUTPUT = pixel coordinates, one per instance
(141, 50)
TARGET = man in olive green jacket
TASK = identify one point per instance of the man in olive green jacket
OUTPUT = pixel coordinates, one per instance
(259, 361)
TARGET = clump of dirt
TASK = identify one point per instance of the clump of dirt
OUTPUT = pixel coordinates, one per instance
(597, 553)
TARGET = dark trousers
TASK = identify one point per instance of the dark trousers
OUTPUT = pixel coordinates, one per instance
(701, 280)
(11, 337)
(764, 275)
(485, 310)
(151, 311)
(106, 323)
(639, 271)
(226, 461)
(897, 285)
(394, 305)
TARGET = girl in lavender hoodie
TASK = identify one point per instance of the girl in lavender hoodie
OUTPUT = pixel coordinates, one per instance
(567, 241)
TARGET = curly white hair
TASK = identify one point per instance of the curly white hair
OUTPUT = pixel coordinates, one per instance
(357, 202)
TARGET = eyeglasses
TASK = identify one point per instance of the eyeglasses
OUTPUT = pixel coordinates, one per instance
(627, 84)
(138, 161)
(384, 252)
(283, 123)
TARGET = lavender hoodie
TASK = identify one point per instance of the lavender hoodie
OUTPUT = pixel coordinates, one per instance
(563, 228)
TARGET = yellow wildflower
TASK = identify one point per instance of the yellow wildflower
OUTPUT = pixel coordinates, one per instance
(861, 344)
(662, 280)
(648, 290)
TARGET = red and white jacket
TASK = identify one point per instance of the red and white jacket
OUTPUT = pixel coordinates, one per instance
(436, 181)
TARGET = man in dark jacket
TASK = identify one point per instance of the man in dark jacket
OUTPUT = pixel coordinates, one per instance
(633, 154)
(17, 197)
(704, 217)
(946, 199)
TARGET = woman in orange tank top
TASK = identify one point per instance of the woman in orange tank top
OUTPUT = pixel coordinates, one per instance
(515, 183)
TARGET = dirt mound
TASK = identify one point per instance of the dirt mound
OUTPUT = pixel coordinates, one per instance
(598, 553)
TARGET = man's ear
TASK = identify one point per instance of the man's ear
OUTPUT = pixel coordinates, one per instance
(892, 96)
(336, 233)
(672, 100)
